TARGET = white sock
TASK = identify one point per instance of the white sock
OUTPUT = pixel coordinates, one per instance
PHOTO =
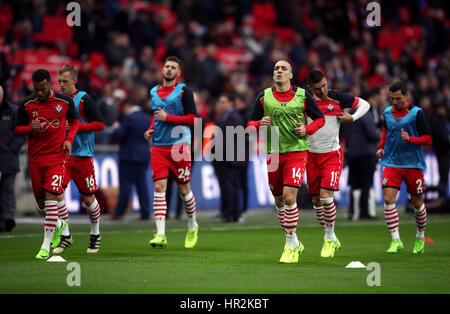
(159, 211)
(329, 212)
(292, 241)
(63, 214)
(51, 222)
(190, 209)
(290, 225)
(94, 216)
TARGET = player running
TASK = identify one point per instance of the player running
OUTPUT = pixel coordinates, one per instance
(405, 131)
(42, 116)
(174, 110)
(80, 165)
(284, 107)
(325, 157)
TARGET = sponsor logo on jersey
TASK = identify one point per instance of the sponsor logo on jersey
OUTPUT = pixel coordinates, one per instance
(44, 124)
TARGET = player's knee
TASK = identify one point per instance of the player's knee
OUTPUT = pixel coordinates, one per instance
(316, 201)
(388, 200)
(289, 199)
(417, 202)
(88, 199)
(279, 202)
(184, 189)
(159, 188)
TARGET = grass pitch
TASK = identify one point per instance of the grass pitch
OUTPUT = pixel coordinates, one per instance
(229, 259)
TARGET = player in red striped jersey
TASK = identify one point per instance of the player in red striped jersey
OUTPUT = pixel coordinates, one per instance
(405, 131)
(325, 156)
(42, 116)
(80, 165)
(174, 110)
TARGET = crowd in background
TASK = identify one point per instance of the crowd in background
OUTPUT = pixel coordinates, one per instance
(230, 47)
(131, 38)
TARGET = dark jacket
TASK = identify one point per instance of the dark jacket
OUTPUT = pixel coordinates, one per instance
(361, 138)
(440, 134)
(10, 143)
(231, 118)
(133, 146)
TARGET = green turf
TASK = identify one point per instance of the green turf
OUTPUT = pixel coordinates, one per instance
(229, 258)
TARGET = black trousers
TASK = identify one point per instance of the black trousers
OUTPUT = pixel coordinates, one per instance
(7, 196)
(360, 177)
(230, 184)
(133, 174)
(444, 167)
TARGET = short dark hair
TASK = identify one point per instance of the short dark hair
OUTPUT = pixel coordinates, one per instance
(399, 85)
(314, 77)
(40, 74)
(173, 59)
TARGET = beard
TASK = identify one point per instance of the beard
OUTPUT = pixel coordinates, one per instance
(169, 79)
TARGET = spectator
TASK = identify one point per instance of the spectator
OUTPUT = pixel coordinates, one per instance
(441, 145)
(244, 111)
(228, 171)
(10, 145)
(109, 110)
(134, 158)
(361, 146)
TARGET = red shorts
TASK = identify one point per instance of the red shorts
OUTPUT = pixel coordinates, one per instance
(171, 160)
(46, 176)
(414, 179)
(288, 171)
(324, 171)
(81, 170)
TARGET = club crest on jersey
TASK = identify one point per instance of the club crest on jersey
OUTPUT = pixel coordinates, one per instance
(330, 107)
(58, 108)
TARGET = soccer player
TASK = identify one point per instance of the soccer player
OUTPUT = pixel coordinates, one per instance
(174, 110)
(42, 116)
(80, 165)
(405, 131)
(325, 156)
(285, 107)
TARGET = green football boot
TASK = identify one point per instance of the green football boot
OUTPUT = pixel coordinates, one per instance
(395, 246)
(43, 254)
(329, 248)
(419, 246)
(57, 235)
(159, 241)
(191, 238)
(291, 256)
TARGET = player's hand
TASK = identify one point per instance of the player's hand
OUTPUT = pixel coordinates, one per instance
(67, 146)
(380, 153)
(160, 114)
(405, 136)
(345, 117)
(35, 125)
(148, 134)
(115, 125)
(265, 121)
(300, 130)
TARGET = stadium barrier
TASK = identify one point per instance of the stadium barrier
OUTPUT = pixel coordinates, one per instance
(206, 188)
